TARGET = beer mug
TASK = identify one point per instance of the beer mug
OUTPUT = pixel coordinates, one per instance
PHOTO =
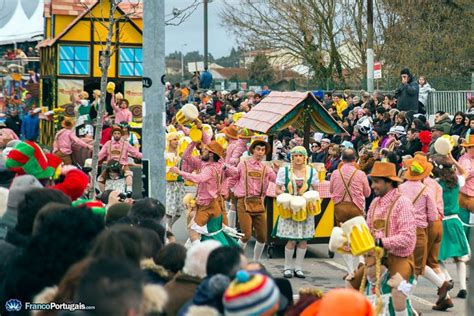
(321, 173)
(283, 205)
(337, 240)
(298, 208)
(313, 204)
(171, 161)
(187, 114)
(360, 238)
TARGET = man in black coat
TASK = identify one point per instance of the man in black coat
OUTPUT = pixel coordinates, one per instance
(407, 93)
(413, 144)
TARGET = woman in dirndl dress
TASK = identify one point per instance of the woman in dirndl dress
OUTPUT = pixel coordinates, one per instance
(295, 179)
(454, 243)
(174, 184)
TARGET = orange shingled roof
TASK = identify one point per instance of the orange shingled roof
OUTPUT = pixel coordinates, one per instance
(76, 7)
(50, 42)
(277, 106)
(271, 110)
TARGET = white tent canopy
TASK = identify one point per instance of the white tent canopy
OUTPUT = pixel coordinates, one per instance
(21, 21)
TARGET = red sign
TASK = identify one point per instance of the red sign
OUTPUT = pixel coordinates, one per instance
(377, 70)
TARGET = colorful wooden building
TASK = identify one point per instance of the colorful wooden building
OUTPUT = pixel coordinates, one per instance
(75, 35)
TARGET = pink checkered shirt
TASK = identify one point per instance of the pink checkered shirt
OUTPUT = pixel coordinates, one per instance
(235, 150)
(254, 184)
(323, 189)
(467, 162)
(64, 140)
(425, 206)
(118, 150)
(207, 181)
(122, 115)
(206, 178)
(401, 235)
(359, 187)
(436, 191)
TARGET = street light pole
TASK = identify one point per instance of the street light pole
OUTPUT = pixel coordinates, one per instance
(370, 46)
(206, 2)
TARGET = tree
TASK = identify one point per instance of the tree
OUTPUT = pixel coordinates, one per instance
(433, 38)
(305, 30)
(260, 70)
(233, 60)
(110, 24)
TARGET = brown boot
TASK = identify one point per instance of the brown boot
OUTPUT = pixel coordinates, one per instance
(443, 291)
(444, 305)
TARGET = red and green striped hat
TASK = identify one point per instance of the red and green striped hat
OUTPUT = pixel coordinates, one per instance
(28, 158)
(97, 207)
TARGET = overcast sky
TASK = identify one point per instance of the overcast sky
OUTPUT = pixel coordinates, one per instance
(191, 31)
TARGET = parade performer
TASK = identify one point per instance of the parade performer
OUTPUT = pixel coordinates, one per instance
(349, 187)
(210, 220)
(119, 149)
(295, 179)
(417, 169)
(65, 139)
(122, 113)
(253, 178)
(237, 146)
(454, 243)
(435, 233)
(83, 110)
(391, 221)
(378, 279)
(466, 194)
(174, 183)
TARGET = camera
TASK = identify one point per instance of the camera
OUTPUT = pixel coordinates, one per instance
(123, 196)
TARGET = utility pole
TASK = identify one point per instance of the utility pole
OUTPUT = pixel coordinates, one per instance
(370, 46)
(154, 109)
(206, 2)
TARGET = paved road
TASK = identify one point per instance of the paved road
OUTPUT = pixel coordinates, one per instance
(325, 273)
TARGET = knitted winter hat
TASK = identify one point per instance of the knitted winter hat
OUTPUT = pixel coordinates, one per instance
(19, 187)
(28, 158)
(97, 207)
(250, 294)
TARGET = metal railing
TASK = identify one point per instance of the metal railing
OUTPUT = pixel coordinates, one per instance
(19, 64)
(447, 101)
